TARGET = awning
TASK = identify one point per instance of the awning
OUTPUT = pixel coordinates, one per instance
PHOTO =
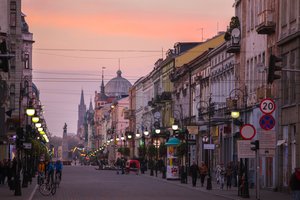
(280, 142)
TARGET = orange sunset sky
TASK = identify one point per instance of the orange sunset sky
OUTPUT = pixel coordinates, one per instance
(74, 39)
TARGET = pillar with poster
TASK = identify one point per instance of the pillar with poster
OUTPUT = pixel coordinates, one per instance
(172, 159)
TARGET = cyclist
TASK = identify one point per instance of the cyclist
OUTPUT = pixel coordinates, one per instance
(41, 171)
(50, 171)
(58, 168)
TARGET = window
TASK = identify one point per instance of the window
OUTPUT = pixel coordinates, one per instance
(13, 5)
(283, 12)
(12, 96)
(293, 6)
(13, 19)
(26, 61)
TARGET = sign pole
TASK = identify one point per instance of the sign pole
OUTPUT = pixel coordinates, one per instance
(257, 175)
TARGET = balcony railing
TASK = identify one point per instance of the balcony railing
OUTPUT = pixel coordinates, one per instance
(266, 22)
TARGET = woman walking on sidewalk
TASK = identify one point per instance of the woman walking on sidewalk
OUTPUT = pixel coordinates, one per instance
(295, 184)
(203, 172)
(229, 175)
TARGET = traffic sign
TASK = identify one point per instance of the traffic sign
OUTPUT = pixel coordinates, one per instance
(209, 146)
(267, 122)
(244, 149)
(192, 142)
(248, 131)
(267, 106)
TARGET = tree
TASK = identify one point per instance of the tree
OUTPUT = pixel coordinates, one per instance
(151, 151)
(162, 150)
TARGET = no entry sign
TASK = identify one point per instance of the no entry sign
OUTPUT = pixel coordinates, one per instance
(248, 131)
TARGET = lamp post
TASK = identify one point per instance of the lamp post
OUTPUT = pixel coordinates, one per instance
(208, 138)
(242, 191)
(184, 168)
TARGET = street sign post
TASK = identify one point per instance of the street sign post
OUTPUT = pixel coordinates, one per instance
(247, 131)
(267, 106)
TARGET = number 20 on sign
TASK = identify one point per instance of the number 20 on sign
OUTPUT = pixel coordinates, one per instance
(267, 106)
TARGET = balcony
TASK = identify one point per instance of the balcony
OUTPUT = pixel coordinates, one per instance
(166, 96)
(266, 22)
(233, 46)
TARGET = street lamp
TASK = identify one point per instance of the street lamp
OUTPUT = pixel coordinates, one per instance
(242, 191)
(235, 114)
(174, 127)
(30, 111)
(208, 138)
(35, 119)
(183, 169)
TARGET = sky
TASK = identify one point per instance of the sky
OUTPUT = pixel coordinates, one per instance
(76, 39)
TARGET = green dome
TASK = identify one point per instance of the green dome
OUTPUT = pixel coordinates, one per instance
(173, 142)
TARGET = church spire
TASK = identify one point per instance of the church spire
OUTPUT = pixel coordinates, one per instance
(91, 105)
(102, 88)
(82, 98)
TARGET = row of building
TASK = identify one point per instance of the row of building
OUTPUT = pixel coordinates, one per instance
(17, 90)
(199, 84)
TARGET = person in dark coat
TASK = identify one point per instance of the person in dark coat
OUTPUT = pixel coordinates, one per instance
(295, 184)
(194, 170)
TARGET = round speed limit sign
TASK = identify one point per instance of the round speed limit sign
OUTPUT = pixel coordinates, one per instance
(267, 106)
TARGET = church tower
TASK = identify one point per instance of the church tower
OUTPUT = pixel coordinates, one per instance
(81, 114)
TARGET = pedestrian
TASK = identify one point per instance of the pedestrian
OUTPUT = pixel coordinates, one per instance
(217, 173)
(2, 173)
(222, 176)
(123, 162)
(228, 175)
(295, 184)
(194, 170)
(203, 172)
(118, 165)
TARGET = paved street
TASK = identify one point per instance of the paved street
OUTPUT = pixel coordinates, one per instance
(86, 183)
(83, 182)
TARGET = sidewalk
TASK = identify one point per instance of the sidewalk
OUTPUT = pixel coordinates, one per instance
(7, 194)
(228, 194)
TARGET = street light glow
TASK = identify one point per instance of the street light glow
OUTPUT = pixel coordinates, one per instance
(35, 119)
(175, 127)
(30, 111)
(235, 114)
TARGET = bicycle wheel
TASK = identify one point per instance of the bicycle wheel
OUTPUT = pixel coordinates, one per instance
(45, 189)
(53, 188)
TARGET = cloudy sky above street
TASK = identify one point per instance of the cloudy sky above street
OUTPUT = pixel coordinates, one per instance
(74, 39)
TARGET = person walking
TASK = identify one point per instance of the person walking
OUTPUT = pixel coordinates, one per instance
(194, 170)
(203, 172)
(228, 175)
(222, 176)
(295, 184)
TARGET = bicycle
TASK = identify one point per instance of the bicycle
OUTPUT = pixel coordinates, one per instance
(57, 178)
(47, 188)
(41, 178)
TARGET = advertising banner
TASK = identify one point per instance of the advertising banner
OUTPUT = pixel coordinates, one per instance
(172, 163)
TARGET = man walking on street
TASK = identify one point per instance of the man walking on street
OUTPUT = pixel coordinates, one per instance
(194, 172)
(295, 184)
